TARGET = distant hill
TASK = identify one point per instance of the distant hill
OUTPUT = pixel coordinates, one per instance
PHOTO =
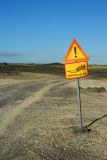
(55, 63)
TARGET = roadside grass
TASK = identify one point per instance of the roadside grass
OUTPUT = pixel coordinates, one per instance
(97, 66)
(95, 71)
(53, 68)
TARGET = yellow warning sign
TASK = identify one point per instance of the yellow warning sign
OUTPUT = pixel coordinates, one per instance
(76, 70)
(75, 53)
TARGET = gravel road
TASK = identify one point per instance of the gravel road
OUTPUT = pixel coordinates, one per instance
(37, 118)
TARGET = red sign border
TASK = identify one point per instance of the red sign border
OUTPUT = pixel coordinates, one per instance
(78, 59)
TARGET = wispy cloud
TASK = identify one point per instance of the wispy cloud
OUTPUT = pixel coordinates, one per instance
(10, 54)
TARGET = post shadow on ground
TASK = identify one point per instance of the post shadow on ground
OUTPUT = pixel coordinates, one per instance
(96, 120)
(86, 128)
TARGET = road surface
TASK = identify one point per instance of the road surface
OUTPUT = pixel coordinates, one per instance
(37, 118)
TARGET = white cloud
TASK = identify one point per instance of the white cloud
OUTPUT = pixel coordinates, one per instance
(9, 54)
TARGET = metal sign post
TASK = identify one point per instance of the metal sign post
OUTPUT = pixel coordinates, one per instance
(81, 129)
(79, 104)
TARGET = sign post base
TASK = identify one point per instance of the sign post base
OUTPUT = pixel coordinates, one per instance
(81, 130)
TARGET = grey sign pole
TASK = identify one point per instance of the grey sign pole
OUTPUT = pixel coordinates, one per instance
(79, 104)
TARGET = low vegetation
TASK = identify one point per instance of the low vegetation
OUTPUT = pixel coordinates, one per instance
(95, 71)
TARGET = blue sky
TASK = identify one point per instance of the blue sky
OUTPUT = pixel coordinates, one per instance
(41, 31)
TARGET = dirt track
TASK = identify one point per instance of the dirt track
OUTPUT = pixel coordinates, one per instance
(37, 118)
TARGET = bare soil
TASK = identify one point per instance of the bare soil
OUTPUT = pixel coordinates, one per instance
(38, 115)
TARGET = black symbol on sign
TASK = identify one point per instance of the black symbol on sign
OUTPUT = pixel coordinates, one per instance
(75, 51)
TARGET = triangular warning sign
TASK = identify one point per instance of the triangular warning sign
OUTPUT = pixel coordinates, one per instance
(75, 53)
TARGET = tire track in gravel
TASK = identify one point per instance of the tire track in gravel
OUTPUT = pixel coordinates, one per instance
(12, 93)
(18, 108)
